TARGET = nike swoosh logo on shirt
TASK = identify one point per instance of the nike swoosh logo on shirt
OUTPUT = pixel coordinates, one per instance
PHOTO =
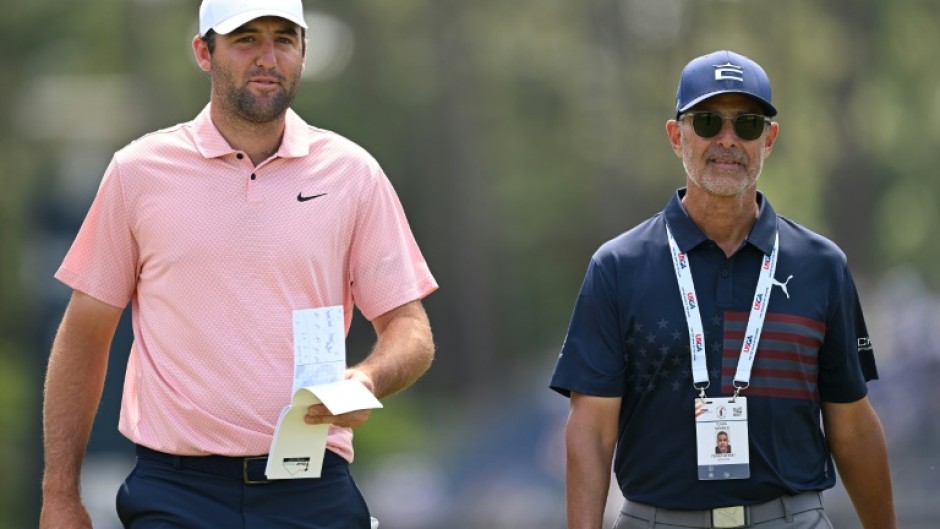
(301, 198)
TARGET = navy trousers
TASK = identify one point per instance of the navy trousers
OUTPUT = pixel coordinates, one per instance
(164, 491)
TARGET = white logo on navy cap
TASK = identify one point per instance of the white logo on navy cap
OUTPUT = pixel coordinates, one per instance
(729, 71)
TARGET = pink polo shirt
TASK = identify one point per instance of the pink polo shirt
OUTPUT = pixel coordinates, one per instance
(214, 254)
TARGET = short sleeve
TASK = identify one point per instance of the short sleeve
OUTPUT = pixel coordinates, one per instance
(846, 358)
(387, 268)
(102, 261)
(592, 356)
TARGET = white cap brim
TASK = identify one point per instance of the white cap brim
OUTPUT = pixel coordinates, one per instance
(232, 23)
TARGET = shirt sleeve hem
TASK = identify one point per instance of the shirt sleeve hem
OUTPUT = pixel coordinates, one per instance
(75, 282)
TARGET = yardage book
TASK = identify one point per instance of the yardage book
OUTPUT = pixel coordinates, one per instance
(297, 448)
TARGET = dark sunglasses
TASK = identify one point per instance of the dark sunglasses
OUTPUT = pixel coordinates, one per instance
(748, 127)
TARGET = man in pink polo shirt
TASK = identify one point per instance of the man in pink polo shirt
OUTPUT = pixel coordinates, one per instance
(216, 231)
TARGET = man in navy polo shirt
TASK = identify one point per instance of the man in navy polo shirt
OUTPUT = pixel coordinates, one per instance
(718, 315)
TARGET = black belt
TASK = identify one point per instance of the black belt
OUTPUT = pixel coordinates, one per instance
(783, 507)
(248, 469)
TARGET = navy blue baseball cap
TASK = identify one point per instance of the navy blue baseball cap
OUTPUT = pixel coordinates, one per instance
(722, 72)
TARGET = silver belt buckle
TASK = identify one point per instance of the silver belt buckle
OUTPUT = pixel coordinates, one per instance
(729, 516)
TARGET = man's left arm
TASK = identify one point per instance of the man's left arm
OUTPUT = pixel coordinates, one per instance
(857, 442)
(403, 352)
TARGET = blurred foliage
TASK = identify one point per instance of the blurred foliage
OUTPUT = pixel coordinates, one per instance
(18, 402)
(520, 135)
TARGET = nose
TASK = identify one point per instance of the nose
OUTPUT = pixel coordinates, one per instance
(266, 54)
(727, 137)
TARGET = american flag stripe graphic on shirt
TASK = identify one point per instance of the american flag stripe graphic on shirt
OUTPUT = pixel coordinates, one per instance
(786, 361)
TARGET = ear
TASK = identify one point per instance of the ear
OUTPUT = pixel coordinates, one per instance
(770, 137)
(674, 132)
(201, 51)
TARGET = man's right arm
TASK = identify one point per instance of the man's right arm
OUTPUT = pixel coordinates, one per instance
(590, 439)
(74, 382)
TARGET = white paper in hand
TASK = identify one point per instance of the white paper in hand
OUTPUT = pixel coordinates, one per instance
(298, 448)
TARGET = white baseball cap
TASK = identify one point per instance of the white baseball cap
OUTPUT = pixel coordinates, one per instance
(224, 16)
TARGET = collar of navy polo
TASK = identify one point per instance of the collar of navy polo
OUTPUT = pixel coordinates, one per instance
(688, 235)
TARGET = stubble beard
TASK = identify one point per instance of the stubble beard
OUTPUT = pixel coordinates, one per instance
(719, 182)
(240, 101)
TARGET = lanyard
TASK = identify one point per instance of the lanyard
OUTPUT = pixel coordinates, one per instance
(755, 321)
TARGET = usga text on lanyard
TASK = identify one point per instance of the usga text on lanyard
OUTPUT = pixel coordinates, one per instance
(682, 267)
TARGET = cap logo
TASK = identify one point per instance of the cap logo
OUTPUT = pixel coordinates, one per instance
(729, 71)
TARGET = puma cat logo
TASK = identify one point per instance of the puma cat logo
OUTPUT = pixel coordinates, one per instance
(783, 286)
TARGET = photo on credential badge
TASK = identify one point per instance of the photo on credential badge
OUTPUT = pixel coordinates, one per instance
(723, 443)
(723, 420)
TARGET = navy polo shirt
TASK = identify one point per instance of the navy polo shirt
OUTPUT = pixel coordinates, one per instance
(628, 338)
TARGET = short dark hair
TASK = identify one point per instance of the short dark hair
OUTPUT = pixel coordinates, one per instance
(209, 39)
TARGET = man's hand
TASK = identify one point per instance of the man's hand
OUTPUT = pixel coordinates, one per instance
(318, 414)
(63, 512)
(403, 352)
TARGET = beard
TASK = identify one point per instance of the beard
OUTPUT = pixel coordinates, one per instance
(721, 182)
(239, 100)
(250, 108)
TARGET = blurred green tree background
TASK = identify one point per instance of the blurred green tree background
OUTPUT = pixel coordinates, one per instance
(520, 135)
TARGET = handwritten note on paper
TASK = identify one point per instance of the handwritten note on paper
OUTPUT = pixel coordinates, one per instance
(319, 346)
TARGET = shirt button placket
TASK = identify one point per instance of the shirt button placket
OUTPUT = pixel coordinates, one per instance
(725, 286)
(254, 187)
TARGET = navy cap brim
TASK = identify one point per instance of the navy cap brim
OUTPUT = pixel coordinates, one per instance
(769, 109)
